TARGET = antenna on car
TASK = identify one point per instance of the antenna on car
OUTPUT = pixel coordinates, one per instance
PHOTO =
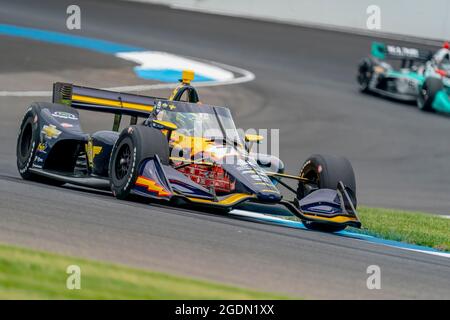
(185, 86)
(187, 76)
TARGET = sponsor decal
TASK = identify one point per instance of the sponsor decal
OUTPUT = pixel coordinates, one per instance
(91, 152)
(304, 166)
(64, 115)
(253, 172)
(42, 147)
(133, 167)
(66, 125)
(27, 166)
(50, 132)
(152, 186)
(402, 51)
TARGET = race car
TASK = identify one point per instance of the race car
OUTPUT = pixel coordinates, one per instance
(182, 152)
(410, 75)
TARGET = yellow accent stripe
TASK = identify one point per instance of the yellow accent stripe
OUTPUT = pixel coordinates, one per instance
(200, 162)
(152, 186)
(233, 199)
(338, 219)
(112, 103)
(283, 175)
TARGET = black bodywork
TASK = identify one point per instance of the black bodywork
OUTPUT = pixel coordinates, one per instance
(65, 154)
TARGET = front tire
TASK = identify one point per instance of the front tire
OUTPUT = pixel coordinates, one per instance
(135, 144)
(27, 143)
(325, 172)
(427, 94)
(365, 72)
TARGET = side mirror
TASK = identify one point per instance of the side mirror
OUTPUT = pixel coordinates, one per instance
(164, 125)
(250, 139)
(253, 138)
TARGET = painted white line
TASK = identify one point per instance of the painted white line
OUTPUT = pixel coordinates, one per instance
(255, 215)
(351, 235)
(163, 61)
(25, 93)
(434, 253)
(242, 77)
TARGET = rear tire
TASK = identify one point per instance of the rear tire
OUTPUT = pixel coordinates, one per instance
(135, 144)
(325, 172)
(428, 92)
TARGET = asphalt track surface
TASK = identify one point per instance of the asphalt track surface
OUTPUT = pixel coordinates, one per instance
(304, 86)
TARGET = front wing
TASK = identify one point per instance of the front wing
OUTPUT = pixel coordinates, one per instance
(158, 181)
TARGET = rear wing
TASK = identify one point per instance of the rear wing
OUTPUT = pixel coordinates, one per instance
(103, 100)
(394, 52)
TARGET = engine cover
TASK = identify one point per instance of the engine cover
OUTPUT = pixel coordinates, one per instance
(210, 176)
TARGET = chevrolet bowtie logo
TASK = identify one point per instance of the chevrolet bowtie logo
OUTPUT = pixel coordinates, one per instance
(50, 131)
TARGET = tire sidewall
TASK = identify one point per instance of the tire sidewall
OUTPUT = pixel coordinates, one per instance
(427, 93)
(122, 187)
(144, 142)
(329, 170)
(365, 66)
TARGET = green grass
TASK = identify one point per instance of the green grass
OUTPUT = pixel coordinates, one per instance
(410, 227)
(30, 274)
(418, 228)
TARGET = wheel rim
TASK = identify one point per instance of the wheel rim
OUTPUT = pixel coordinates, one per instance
(364, 77)
(314, 178)
(25, 141)
(364, 80)
(423, 96)
(123, 162)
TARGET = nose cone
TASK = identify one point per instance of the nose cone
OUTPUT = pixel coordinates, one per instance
(269, 196)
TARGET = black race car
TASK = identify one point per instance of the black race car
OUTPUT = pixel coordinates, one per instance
(163, 156)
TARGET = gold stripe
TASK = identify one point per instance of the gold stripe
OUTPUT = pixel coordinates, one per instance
(283, 175)
(233, 199)
(112, 103)
(338, 219)
(200, 162)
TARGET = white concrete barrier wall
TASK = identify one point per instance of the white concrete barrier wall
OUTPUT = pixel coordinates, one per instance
(417, 18)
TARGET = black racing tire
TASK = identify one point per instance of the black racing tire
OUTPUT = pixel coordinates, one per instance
(365, 72)
(428, 92)
(27, 144)
(325, 172)
(135, 144)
